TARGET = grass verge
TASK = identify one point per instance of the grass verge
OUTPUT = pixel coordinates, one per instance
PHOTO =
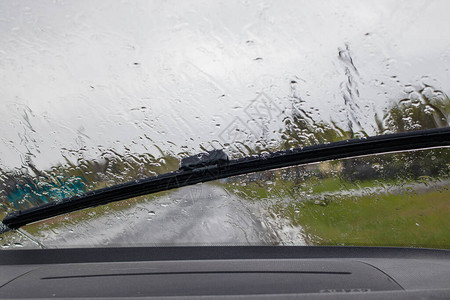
(408, 219)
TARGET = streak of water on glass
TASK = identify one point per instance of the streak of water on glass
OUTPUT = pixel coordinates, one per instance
(96, 94)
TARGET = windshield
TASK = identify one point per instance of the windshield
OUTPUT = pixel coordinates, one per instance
(100, 93)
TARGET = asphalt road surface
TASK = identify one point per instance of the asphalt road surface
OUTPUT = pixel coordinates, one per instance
(203, 214)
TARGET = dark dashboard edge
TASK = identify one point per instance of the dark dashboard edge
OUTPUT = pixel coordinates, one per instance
(88, 255)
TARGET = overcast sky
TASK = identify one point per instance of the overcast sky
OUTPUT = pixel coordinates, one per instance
(127, 75)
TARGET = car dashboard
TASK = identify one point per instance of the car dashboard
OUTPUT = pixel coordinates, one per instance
(219, 272)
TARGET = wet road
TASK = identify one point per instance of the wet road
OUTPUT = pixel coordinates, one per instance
(203, 214)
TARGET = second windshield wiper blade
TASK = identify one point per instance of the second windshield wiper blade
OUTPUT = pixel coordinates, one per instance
(217, 167)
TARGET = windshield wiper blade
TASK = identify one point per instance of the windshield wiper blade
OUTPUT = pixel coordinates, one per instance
(217, 166)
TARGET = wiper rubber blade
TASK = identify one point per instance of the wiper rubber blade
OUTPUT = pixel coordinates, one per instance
(212, 169)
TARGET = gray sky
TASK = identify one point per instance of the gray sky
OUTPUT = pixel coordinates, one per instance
(125, 75)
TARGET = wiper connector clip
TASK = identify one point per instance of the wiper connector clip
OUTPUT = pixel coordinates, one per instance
(204, 160)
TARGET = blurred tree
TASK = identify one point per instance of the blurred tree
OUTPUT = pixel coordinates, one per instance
(423, 108)
(300, 129)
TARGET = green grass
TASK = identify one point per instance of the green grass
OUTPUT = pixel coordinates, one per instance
(410, 219)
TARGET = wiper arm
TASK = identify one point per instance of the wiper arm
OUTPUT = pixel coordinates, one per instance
(215, 165)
